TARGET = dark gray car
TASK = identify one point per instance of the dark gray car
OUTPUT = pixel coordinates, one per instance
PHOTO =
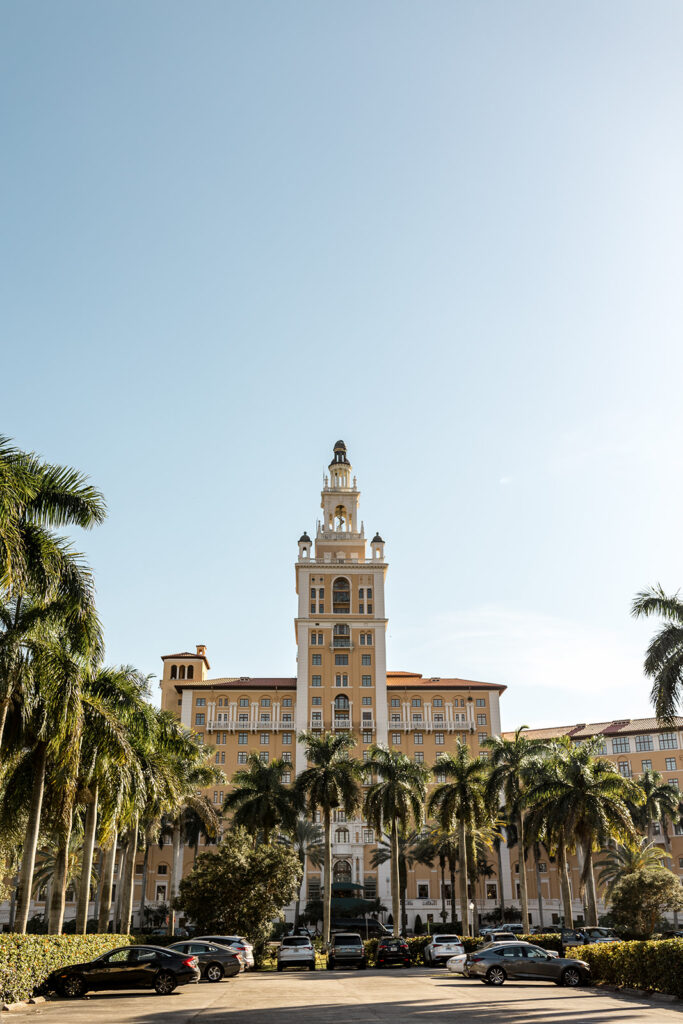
(215, 962)
(522, 961)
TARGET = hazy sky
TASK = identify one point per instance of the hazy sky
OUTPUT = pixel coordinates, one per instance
(449, 233)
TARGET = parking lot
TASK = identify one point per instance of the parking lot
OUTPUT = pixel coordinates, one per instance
(356, 997)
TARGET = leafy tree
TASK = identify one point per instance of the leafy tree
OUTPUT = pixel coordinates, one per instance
(461, 803)
(512, 761)
(260, 800)
(664, 657)
(241, 887)
(639, 898)
(394, 803)
(329, 783)
(626, 860)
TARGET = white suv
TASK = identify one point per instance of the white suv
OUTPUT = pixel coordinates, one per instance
(442, 948)
(296, 951)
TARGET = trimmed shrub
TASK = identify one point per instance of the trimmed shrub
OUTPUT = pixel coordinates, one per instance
(649, 965)
(26, 960)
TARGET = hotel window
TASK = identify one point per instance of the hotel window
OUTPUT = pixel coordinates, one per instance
(201, 702)
(423, 891)
(438, 718)
(484, 755)
(481, 719)
(220, 702)
(244, 702)
(199, 718)
(366, 702)
(656, 828)
(417, 716)
(340, 815)
(316, 681)
(366, 681)
(646, 765)
(395, 718)
(341, 835)
(621, 745)
(243, 718)
(396, 739)
(316, 639)
(341, 680)
(395, 702)
(242, 737)
(286, 778)
(341, 596)
(368, 835)
(670, 764)
(312, 592)
(286, 737)
(366, 755)
(265, 702)
(439, 776)
(242, 757)
(625, 769)
(215, 800)
(482, 736)
(287, 757)
(417, 737)
(317, 659)
(644, 743)
(366, 659)
(342, 659)
(668, 741)
(438, 703)
(367, 737)
(313, 887)
(602, 747)
(316, 700)
(480, 702)
(418, 757)
(263, 757)
(286, 719)
(416, 702)
(287, 702)
(673, 783)
(439, 739)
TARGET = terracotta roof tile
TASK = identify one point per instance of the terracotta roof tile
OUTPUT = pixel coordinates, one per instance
(619, 726)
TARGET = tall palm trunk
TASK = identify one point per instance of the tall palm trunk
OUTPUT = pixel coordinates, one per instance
(127, 882)
(442, 865)
(86, 867)
(523, 892)
(106, 884)
(143, 894)
(60, 874)
(28, 858)
(451, 868)
(564, 883)
(327, 881)
(395, 881)
(589, 876)
(501, 897)
(297, 905)
(462, 850)
(176, 872)
(539, 894)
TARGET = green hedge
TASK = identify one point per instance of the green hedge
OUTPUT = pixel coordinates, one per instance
(26, 960)
(655, 966)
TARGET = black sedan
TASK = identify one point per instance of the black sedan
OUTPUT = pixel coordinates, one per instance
(127, 967)
(392, 951)
(215, 962)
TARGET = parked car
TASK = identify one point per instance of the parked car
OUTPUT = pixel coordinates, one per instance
(392, 951)
(442, 948)
(296, 951)
(522, 961)
(346, 949)
(501, 937)
(215, 962)
(127, 967)
(600, 934)
(456, 964)
(236, 942)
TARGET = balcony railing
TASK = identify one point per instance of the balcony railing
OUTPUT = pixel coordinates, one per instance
(425, 725)
(251, 725)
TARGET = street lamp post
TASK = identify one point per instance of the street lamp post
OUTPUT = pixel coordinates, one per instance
(472, 917)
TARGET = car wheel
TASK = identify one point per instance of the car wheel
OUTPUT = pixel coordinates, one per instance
(362, 965)
(330, 965)
(311, 966)
(495, 975)
(571, 977)
(214, 972)
(164, 983)
(279, 967)
(73, 987)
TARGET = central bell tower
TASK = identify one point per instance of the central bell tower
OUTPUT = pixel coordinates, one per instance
(341, 624)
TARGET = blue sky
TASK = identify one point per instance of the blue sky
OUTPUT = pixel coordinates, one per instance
(449, 233)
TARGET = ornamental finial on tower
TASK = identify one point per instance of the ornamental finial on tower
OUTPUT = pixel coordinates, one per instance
(339, 456)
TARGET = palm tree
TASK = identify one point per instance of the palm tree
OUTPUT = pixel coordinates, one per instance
(511, 763)
(393, 804)
(585, 799)
(259, 800)
(307, 841)
(329, 783)
(627, 859)
(664, 658)
(413, 848)
(660, 804)
(460, 802)
(442, 845)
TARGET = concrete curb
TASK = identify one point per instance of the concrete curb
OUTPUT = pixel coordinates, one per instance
(639, 993)
(31, 1001)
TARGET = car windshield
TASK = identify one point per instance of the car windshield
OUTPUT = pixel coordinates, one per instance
(296, 942)
(446, 938)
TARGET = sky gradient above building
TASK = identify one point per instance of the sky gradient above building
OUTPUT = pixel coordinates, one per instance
(450, 234)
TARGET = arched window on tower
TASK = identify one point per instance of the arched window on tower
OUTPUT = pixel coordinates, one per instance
(341, 636)
(340, 518)
(341, 596)
(181, 672)
(341, 835)
(342, 718)
(174, 671)
(342, 871)
(190, 671)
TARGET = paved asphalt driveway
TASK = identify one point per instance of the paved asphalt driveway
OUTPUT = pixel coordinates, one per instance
(355, 997)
